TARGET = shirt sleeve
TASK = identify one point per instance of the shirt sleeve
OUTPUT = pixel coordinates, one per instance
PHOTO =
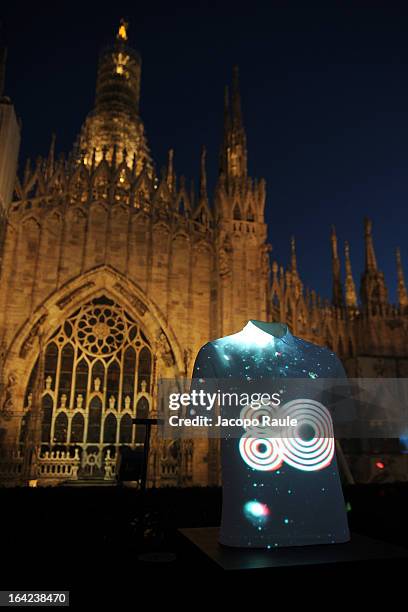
(204, 365)
(343, 408)
(204, 380)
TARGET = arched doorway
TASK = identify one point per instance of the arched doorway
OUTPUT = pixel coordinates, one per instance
(98, 371)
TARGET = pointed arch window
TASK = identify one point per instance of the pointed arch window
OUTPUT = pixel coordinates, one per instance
(237, 213)
(94, 421)
(61, 428)
(182, 206)
(126, 429)
(142, 412)
(109, 433)
(100, 186)
(123, 187)
(77, 428)
(97, 378)
(79, 187)
(47, 404)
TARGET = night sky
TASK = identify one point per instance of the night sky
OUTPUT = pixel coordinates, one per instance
(324, 94)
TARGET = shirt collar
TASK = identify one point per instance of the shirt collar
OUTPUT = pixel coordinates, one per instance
(287, 338)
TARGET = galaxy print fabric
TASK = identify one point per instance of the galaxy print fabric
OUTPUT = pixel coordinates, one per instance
(272, 498)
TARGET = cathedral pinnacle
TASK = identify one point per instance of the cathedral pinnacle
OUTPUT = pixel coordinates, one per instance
(170, 176)
(351, 295)
(236, 100)
(233, 154)
(203, 174)
(293, 266)
(51, 156)
(337, 296)
(373, 291)
(401, 288)
(371, 262)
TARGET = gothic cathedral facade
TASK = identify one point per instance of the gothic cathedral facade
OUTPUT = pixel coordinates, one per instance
(113, 276)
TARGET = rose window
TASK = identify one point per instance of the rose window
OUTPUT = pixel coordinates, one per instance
(100, 330)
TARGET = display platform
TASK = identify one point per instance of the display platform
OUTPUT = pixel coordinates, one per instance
(360, 548)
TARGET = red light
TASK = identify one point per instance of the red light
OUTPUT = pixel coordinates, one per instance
(380, 465)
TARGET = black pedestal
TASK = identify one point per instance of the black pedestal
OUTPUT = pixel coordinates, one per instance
(360, 548)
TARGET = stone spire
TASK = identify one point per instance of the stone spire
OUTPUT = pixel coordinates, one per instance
(226, 131)
(236, 109)
(51, 157)
(233, 154)
(337, 294)
(293, 261)
(10, 134)
(370, 259)
(115, 119)
(203, 175)
(170, 176)
(374, 294)
(294, 274)
(401, 288)
(350, 288)
(227, 113)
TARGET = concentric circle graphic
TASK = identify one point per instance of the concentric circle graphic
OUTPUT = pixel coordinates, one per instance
(308, 454)
(313, 454)
(260, 453)
(257, 429)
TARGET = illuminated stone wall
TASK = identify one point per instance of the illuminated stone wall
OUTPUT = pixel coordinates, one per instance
(101, 225)
(81, 233)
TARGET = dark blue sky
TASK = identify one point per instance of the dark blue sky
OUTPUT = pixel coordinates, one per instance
(324, 91)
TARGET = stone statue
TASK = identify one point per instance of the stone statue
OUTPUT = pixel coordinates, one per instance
(187, 359)
(265, 261)
(35, 332)
(8, 403)
(224, 263)
(164, 350)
